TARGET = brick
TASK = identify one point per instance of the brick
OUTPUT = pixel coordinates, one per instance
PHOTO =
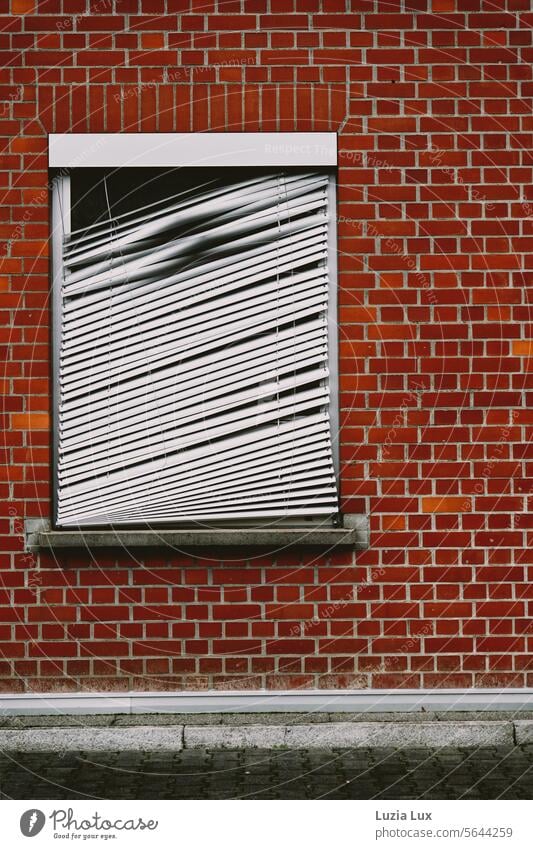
(100, 57)
(23, 7)
(52, 58)
(337, 56)
(499, 539)
(523, 348)
(31, 421)
(90, 23)
(284, 21)
(159, 23)
(284, 57)
(236, 23)
(446, 505)
(236, 611)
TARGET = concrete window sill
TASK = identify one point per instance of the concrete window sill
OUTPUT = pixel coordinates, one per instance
(353, 534)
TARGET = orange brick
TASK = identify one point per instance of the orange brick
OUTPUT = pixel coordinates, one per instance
(446, 505)
(154, 40)
(523, 348)
(22, 7)
(350, 314)
(30, 421)
(498, 313)
(443, 6)
(393, 523)
(392, 280)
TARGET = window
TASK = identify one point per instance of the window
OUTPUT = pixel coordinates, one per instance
(195, 335)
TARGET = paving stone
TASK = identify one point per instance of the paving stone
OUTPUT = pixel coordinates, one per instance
(366, 773)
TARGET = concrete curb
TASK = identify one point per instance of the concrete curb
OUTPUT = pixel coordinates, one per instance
(352, 735)
(401, 735)
(236, 737)
(327, 735)
(523, 732)
(141, 738)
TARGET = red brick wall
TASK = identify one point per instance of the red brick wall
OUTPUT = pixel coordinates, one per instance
(432, 104)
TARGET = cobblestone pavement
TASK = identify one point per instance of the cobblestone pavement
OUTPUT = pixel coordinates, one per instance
(256, 774)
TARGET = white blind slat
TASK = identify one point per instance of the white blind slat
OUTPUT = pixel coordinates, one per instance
(259, 356)
(304, 458)
(134, 363)
(169, 407)
(122, 269)
(230, 451)
(191, 434)
(194, 380)
(268, 482)
(81, 329)
(245, 262)
(222, 208)
(200, 318)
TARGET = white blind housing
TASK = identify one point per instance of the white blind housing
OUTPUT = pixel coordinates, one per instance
(193, 378)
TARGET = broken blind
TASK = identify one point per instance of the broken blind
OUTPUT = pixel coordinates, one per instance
(193, 358)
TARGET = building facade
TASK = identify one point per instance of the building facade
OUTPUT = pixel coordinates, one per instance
(431, 104)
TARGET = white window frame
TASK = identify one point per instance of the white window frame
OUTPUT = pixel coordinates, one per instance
(217, 150)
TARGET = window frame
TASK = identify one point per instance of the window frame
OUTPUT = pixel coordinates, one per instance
(61, 223)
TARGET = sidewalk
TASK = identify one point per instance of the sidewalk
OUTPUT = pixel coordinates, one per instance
(175, 732)
(407, 773)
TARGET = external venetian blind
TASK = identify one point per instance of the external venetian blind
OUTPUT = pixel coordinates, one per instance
(193, 362)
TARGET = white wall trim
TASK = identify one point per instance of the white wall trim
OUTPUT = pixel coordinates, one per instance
(263, 701)
(169, 150)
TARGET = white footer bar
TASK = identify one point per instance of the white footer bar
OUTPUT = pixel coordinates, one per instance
(356, 823)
